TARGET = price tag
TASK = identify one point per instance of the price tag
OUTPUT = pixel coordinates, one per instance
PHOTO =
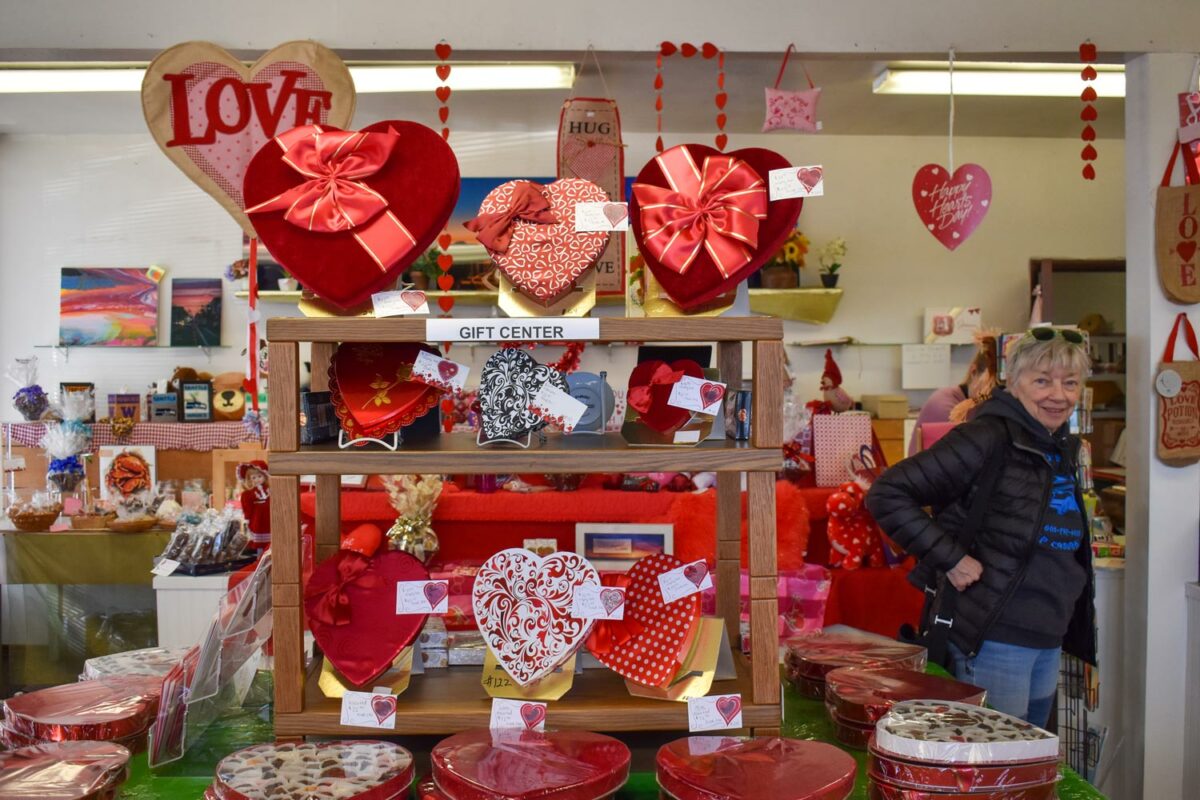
(683, 581)
(400, 304)
(697, 394)
(520, 714)
(601, 217)
(714, 712)
(784, 184)
(165, 566)
(375, 709)
(598, 602)
(557, 407)
(422, 597)
(441, 373)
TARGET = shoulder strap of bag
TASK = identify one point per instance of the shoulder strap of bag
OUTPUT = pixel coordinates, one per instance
(783, 66)
(1189, 336)
(1191, 175)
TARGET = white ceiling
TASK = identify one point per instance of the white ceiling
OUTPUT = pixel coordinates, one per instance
(848, 106)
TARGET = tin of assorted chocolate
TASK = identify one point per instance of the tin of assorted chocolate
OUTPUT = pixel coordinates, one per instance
(959, 777)
(518, 764)
(863, 695)
(105, 709)
(940, 732)
(742, 768)
(337, 770)
(886, 791)
(850, 732)
(814, 656)
(64, 771)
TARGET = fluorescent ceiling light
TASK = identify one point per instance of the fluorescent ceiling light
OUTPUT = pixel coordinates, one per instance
(465, 77)
(998, 79)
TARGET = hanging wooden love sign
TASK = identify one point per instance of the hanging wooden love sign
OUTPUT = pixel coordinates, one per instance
(1177, 231)
(952, 206)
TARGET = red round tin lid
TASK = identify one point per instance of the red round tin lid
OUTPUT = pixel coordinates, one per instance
(959, 777)
(733, 768)
(62, 770)
(878, 790)
(337, 770)
(865, 694)
(528, 765)
(813, 656)
(99, 710)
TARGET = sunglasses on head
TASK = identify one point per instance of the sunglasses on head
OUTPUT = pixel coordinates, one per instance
(1046, 334)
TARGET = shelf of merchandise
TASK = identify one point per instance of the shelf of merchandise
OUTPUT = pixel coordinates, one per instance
(464, 296)
(444, 701)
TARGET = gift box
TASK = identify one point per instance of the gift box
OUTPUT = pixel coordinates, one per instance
(318, 422)
(433, 635)
(738, 768)
(519, 764)
(64, 771)
(337, 770)
(978, 780)
(465, 648)
(864, 695)
(802, 595)
(156, 661)
(809, 658)
(105, 709)
(836, 439)
(436, 658)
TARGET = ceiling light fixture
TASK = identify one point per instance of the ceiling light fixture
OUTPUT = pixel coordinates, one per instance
(368, 78)
(998, 79)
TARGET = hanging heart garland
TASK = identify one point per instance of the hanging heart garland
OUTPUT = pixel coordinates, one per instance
(1087, 54)
(445, 261)
(707, 51)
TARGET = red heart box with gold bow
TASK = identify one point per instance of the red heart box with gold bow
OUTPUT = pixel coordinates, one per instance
(650, 386)
(350, 605)
(346, 212)
(649, 645)
(529, 231)
(702, 219)
(372, 389)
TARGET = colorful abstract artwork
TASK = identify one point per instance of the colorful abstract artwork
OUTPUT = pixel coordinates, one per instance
(196, 312)
(112, 307)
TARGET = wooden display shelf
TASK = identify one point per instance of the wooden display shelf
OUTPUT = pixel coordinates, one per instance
(444, 701)
(457, 453)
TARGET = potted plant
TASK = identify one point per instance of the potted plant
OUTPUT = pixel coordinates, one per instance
(782, 272)
(424, 271)
(831, 256)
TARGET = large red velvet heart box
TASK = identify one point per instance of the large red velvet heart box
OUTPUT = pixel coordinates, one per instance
(372, 389)
(528, 765)
(543, 259)
(64, 771)
(337, 770)
(346, 214)
(350, 605)
(708, 207)
(737, 768)
(650, 386)
(649, 644)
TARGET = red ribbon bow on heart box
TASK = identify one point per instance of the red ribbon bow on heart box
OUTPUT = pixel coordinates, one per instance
(640, 397)
(715, 207)
(494, 229)
(331, 604)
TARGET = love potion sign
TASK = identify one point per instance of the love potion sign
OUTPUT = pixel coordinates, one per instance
(952, 206)
(210, 113)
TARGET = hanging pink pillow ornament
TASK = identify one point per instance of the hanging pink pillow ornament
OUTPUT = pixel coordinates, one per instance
(789, 109)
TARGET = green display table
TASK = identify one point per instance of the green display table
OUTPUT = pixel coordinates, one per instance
(69, 558)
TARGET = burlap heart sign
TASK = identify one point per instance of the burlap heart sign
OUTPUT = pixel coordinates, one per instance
(210, 113)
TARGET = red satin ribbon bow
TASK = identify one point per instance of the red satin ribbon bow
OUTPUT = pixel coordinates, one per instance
(640, 397)
(333, 604)
(609, 634)
(493, 229)
(334, 199)
(716, 207)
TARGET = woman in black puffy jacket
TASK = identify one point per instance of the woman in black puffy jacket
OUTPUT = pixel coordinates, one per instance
(1025, 583)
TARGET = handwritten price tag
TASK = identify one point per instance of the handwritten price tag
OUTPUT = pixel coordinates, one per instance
(400, 304)
(441, 373)
(601, 217)
(557, 407)
(520, 714)
(683, 581)
(783, 184)
(598, 602)
(715, 712)
(165, 566)
(369, 710)
(422, 597)
(697, 394)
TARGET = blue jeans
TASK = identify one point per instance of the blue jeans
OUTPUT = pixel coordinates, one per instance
(1019, 680)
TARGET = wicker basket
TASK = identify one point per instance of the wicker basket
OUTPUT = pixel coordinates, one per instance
(133, 525)
(91, 522)
(35, 520)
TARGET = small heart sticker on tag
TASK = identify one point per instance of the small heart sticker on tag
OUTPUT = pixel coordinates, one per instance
(612, 599)
(435, 592)
(533, 714)
(615, 212)
(384, 706)
(729, 707)
(710, 393)
(696, 572)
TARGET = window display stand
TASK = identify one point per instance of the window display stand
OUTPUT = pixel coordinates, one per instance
(449, 700)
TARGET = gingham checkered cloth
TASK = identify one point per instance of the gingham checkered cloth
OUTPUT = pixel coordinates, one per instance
(198, 436)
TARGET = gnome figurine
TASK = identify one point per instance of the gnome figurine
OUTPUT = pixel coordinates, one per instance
(831, 386)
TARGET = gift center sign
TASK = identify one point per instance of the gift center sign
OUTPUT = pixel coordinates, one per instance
(515, 330)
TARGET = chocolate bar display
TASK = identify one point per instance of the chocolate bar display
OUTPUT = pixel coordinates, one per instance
(522, 765)
(105, 709)
(809, 658)
(64, 771)
(863, 695)
(338, 770)
(737, 768)
(957, 733)
(156, 661)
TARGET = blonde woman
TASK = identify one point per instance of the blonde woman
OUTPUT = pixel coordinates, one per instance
(1005, 556)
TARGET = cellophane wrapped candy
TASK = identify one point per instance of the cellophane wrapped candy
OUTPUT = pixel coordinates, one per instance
(30, 400)
(741, 768)
(64, 771)
(117, 709)
(809, 658)
(155, 661)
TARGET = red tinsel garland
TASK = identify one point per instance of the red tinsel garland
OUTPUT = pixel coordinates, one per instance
(569, 361)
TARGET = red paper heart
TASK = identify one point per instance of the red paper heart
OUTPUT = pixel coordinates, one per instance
(443, 113)
(1088, 114)
(710, 393)
(447, 369)
(443, 71)
(1186, 250)
(1088, 73)
(809, 177)
(445, 282)
(658, 81)
(729, 707)
(667, 49)
(442, 51)
(658, 632)
(688, 50)
(611, 599)
(721, 81)
(722, 98)
(721, 120)
(296, 83)
(446, 302)
(1088, 153)
(951, 208)
(384, 705)
(445, 134)
(532, 714)
(371, 388)
(365, 647)
(412, 298)
(658, 103)
(444, 241)
(615, 212)
(703, 281)
(1088, 134)
(721, 139)
(1087, 51)
(544, 261)
(709, 49)
(445, 261)
(1088, 95)
(661, 415)
(658, 144)
(436, 592)
(447, 406)
(1089, 172)
(420, 183)
(442, 93)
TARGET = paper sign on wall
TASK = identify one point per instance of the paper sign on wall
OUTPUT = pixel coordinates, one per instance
(925, 366)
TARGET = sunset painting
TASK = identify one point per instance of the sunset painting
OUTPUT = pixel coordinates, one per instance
(112, 307)
(196, 312)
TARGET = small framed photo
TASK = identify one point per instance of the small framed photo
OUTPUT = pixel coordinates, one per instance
(615, 546)
(195, 401)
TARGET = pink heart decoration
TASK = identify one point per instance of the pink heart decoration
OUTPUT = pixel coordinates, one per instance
(728, 708)
(952, 207)
(210, 113)
(810, 176)
(615, 212)
(435, 592)
(532, 714)
(611, 599)
(522, 603)
(710, 393)
(447, 369)
(696, 572)
(413, 299)
(383, 706)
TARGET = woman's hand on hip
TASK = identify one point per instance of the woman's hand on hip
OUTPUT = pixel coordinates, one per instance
(965, 572)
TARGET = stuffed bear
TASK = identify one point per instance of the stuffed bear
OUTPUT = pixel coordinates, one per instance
(853, 536)
(229, 396)
(186, 374)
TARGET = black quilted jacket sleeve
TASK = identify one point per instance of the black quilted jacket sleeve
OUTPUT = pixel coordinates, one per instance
(935, 477)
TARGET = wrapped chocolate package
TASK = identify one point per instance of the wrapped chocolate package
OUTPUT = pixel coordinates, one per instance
(64, 771)
(957, 733)
(106, 709)
(527, 765)
(809, 658)
(962, 778)
(737, 768)
(338, 770)
(156, 661)
(863, 695)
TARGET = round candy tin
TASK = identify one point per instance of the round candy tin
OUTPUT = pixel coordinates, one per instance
(864, 694)
(737, 768)
(338, 770)
(99, 710)
(956, 733)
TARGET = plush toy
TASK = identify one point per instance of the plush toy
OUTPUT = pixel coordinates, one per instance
(186, 374)
(229, 396)
(255, 496)
(853, 536)
(831, 386)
